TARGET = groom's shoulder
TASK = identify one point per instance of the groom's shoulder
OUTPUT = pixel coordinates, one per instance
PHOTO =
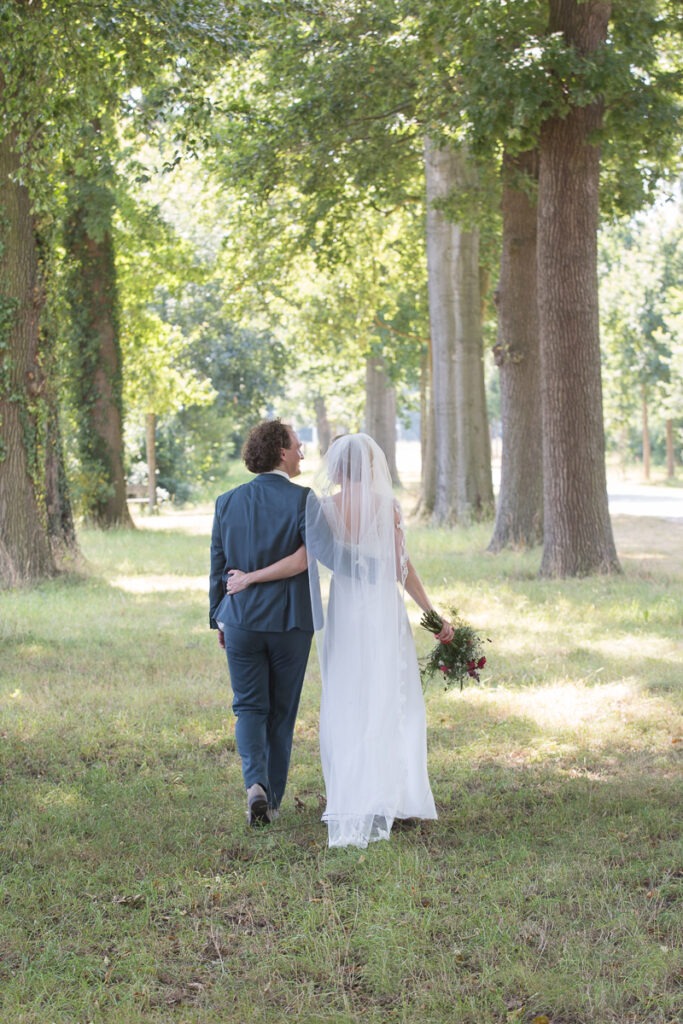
(273, 482)
(234, 492)
(302, 492)
(290, 491)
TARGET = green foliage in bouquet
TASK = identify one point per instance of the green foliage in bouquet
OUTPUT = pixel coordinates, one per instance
(457, 661)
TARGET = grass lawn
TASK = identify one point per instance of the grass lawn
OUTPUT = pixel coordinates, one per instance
(550, 888)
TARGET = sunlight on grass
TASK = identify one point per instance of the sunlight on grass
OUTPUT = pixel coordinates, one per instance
(570, 706)
(643, 555)
(154, 584)
(194, 522)
(659, 648)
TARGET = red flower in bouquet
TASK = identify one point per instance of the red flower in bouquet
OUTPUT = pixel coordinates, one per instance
(458, 660)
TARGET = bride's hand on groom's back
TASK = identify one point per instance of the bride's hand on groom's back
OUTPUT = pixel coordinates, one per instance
(237, 581)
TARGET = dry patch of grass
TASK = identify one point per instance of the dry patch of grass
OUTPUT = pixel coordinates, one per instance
(650, 545)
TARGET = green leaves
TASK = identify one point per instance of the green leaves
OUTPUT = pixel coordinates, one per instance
(641, 305)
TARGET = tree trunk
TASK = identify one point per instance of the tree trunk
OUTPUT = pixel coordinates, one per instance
(97, 355)
(647, 450)
(380, 410)
(322, 424)
(60, 523)
(577, 529)
(151, 452)
(519, 514)
(428, 469)
(670, 454)
(463, 484)
(25, 551)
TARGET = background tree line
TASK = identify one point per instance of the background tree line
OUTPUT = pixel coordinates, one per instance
(212, 209)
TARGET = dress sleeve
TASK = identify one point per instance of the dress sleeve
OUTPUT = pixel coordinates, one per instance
(400, 542)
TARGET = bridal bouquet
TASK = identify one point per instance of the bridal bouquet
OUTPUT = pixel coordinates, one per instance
(458, 660)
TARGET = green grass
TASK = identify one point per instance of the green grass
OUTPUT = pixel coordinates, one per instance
(132, 891)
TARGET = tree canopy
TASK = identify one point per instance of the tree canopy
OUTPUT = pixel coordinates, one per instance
(303, 130)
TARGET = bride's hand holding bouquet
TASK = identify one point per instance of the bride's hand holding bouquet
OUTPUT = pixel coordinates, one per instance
(456, 659)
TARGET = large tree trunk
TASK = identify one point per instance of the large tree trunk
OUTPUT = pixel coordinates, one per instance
(380, 410)
(463, 485)
(577, 529)
(25, 551)
(519, 514)
(97, 354)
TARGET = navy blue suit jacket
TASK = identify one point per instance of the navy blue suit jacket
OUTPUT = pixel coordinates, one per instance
(256, 524)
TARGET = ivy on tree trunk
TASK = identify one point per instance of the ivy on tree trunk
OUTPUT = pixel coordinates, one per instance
(60, 522)
(96, 353)
(25, 551)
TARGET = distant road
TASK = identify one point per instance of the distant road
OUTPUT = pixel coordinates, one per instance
(629, 499)
(626, 498)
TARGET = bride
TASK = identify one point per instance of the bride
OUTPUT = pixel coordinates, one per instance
(373, 733)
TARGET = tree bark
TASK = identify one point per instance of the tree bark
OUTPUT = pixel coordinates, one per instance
(25, 551)
(322, 424)
(645, 424)
(425, 506)
(578, 536)
(380, 410)
(97, 355)
(463, 485)
(151, 452)
(670, 454)
(519, 513)
(60, 522)
(61, 529)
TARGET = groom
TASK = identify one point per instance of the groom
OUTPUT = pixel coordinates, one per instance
(266, 630)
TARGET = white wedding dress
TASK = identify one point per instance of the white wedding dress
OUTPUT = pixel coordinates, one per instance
(373, 734)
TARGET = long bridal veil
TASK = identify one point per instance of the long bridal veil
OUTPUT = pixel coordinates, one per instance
(372, 730)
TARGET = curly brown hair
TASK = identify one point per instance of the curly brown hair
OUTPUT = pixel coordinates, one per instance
(262, 450)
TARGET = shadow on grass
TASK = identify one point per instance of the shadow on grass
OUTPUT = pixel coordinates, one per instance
(530, 869)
